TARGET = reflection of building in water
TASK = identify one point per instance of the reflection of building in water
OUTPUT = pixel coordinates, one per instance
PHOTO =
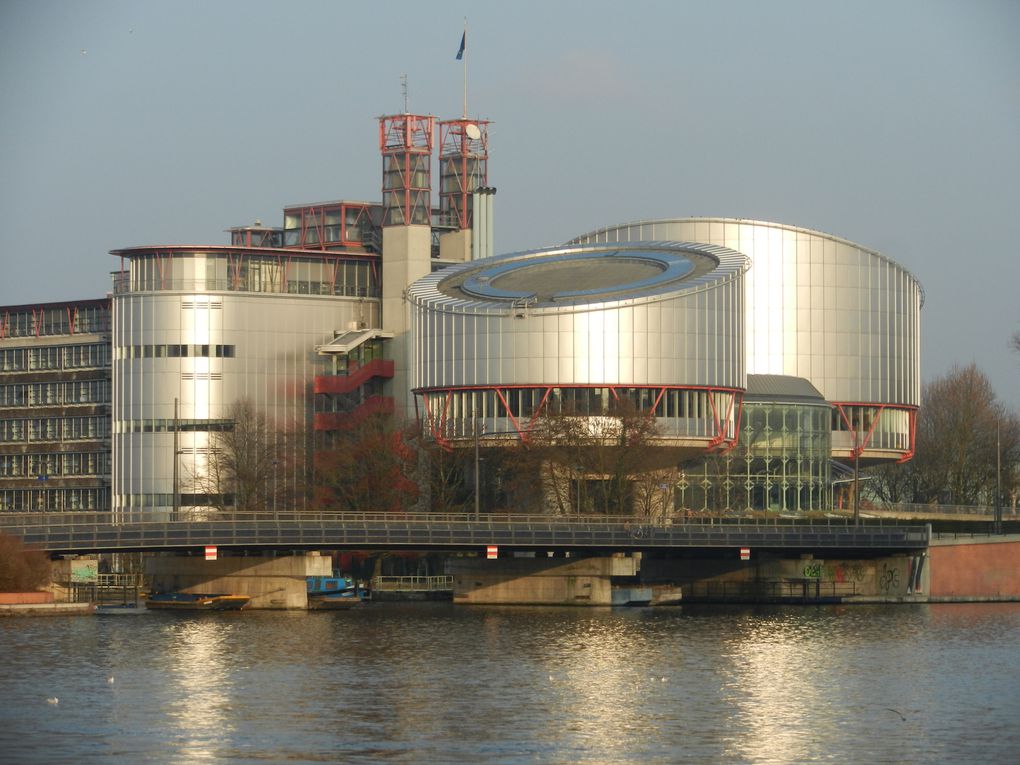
(200, 676)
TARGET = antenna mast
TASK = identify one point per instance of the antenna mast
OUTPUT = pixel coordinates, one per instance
(464, 51)
(403, 88)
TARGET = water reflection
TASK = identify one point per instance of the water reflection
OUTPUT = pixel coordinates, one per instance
(439, 683)
(199, 685)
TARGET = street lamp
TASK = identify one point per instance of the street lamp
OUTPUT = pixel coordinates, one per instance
(176, 480)
(478, 488)
(998, 477)
(275, 463)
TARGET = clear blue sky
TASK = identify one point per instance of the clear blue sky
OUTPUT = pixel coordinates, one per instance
(893, 124)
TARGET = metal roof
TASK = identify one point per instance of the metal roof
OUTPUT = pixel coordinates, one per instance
(348, 341)
(780, 388)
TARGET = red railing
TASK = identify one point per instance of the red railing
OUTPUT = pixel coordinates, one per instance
(338, 384)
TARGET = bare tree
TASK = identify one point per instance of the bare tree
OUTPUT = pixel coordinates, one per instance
(248, 464)
(595, 463)
(960, 428)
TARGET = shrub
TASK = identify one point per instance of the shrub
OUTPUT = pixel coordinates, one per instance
(21, 569)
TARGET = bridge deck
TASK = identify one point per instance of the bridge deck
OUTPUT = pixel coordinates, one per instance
(104, 532)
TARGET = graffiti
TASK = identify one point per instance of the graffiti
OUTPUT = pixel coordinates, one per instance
(889, 580)
(852, 571)
(814, 570)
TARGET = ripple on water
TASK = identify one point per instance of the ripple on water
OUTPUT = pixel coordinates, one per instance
(395, 682)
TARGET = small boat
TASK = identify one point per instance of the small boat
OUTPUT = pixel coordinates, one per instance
(189, 601)
(333, 593)
(121, 609)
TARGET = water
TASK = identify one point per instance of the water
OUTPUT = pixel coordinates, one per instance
(435, 683)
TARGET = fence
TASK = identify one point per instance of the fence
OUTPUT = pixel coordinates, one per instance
(809, 589)
(412, 583)
(108, 589)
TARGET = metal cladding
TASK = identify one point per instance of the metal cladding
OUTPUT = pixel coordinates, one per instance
(644, 314)
(211, 327)
(825, 309)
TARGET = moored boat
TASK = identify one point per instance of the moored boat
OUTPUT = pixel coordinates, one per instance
(333, 593)
(189, 601)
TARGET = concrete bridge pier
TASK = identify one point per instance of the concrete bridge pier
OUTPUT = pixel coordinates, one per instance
(542, 580)
(272, 582)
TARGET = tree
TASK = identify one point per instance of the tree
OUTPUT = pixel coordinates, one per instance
(252, 466)
(371, 465)
(594, 464)
(958, 428)
(21, 569)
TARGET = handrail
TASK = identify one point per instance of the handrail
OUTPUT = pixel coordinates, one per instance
(15, 519)
(77, 532)
(412, 583)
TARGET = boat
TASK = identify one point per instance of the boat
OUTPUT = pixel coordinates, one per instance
(333, 593)
(120, 609)
(190, 601)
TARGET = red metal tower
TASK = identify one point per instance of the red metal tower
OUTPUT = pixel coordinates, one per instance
(405, 141)
(463, 168)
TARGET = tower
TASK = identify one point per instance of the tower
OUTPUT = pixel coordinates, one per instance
(464, 195)
(406, 142)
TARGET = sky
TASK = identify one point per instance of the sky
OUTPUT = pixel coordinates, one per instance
(895, 125)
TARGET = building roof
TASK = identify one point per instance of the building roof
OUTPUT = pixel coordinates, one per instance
(781, 388)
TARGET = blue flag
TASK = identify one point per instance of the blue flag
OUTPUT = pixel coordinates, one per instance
(463, 42)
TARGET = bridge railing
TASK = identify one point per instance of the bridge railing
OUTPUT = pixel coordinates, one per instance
(13, 520)
(70, 532)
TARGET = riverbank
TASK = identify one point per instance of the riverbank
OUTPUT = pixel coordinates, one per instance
(46, 609)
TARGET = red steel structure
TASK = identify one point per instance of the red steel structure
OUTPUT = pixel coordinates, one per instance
(406, 141)
(65, 318)
(330, 226)
(463, 168)
(725, 419)
(862, 419)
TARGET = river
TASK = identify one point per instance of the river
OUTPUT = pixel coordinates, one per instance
(438, 683)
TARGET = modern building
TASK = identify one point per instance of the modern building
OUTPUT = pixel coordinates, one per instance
(55, 406)
(762, 353)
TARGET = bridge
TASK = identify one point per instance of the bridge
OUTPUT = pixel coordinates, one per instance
(81, 533)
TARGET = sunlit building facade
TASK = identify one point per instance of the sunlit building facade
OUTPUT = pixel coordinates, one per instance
(763, 352)
(198, 329)
(827, 310)
(501, 341)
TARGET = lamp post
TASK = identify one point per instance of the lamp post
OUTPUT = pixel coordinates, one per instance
(275, 463)
(176, 481)
(857, 486)
(478, 487)
(998, 477)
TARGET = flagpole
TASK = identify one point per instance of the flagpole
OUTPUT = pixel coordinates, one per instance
(465, 68)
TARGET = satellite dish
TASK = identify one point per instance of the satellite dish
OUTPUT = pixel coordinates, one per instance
(472, 131)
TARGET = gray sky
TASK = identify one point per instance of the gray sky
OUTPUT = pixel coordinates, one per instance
(893, 124)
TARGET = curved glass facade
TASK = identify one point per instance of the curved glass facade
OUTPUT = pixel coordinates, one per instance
(696, 416)
(781, 463)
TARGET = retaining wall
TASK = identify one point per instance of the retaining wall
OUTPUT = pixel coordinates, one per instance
(975, 569)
